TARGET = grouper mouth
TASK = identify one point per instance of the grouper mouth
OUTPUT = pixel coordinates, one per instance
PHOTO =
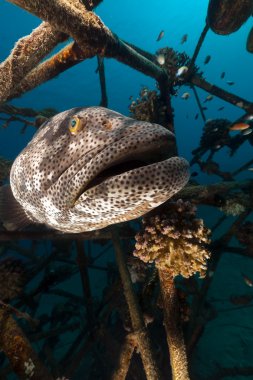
(156, 152)
(121, 168)
(139, 150)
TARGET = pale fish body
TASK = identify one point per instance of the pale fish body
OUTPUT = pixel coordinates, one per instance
(182, 70)
(160, 59)
(87, 168)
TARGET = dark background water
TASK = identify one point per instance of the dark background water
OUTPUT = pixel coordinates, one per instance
(228, 339)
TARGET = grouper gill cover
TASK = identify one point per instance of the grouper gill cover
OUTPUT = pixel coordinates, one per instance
(87, 168)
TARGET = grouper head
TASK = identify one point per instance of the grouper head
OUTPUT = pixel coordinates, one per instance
(87, 168)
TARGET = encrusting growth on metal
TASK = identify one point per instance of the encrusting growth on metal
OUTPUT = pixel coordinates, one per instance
(174, 334)
(125, 357)
(35, 46)
(138, 325)
(176, 243)
(17, 348)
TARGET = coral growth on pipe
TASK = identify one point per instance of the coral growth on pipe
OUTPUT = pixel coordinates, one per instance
(176, 241)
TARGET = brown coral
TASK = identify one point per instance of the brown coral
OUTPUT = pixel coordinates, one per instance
(173, 61)
(176, 241)
(148, 107)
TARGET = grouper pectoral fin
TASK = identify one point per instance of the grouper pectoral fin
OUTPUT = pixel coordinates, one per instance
(12, 214)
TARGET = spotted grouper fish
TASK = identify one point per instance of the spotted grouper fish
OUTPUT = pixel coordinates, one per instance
(87, 168)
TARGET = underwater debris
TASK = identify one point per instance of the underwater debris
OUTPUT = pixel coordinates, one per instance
(176, 241)
(12, 278)
(5, 167)
(244, 234)
(227, 16)
(244, 299)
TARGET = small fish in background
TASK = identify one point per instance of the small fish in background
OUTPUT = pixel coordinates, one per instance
(185, 95)
(230, 83)
(221, 108)
(247, 132)
(131, 97)
(207, 59)
(160, 59)
(196, 116)
(241, 300)
(217, 147)
(239, 126)
(249, 117)
(240, 104)
(204, 108)
(194, 174)
(144, 92)
(222, 75)
(160, 35)
(249, 44)
(182, 70)
(184, 39)
(247, 280)
(250, 169)
(208, 98)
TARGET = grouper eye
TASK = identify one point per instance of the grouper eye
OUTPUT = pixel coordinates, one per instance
(76, 124)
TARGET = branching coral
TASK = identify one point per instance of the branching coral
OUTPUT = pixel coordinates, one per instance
(148, 107)
(176, 241)
(215, 135)
(175, 60)
(232, 207)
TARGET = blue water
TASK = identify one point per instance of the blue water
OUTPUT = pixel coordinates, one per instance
(228, 339)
